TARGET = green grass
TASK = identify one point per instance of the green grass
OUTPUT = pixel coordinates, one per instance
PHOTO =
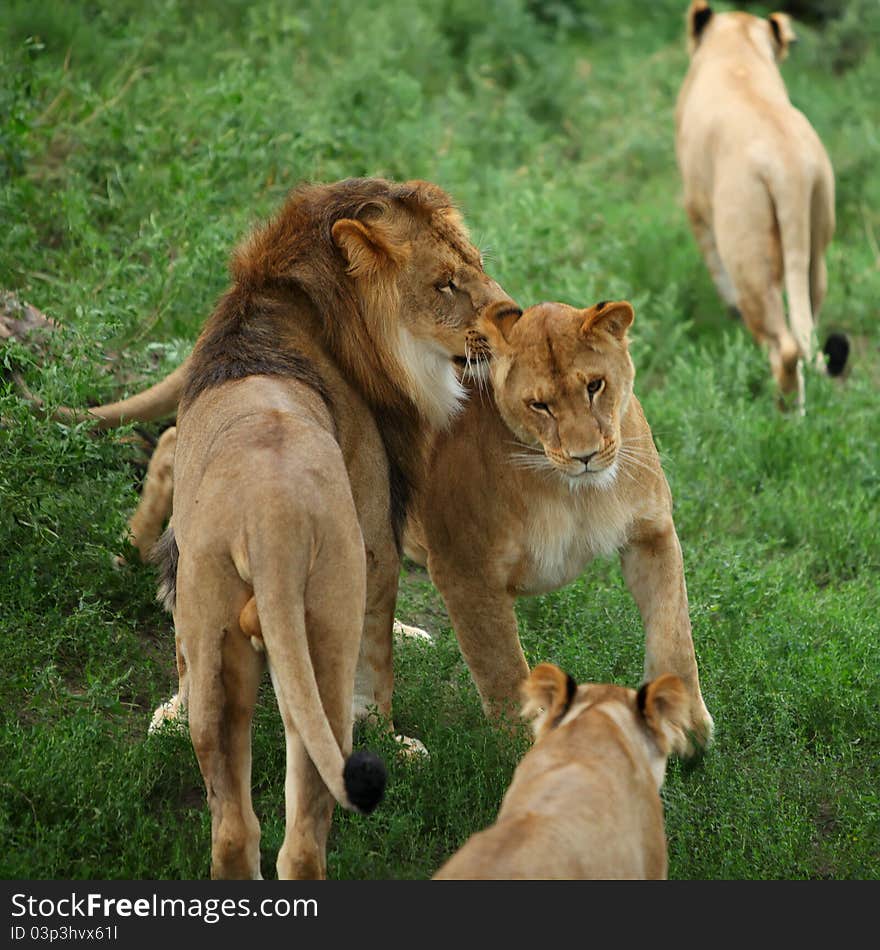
(139, 142)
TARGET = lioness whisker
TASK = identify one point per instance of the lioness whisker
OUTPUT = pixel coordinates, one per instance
(625, 459)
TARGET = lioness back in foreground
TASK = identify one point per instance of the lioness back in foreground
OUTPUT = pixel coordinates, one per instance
(584, 802)
(299, 431)
(758, 186)
(553, 467)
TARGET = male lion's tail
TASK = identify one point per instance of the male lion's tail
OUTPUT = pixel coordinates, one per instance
(358, 782)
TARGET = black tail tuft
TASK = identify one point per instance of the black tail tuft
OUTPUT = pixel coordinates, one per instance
(836, 352)
(364, 776)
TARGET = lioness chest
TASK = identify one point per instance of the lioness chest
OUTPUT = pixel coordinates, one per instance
(562, 533)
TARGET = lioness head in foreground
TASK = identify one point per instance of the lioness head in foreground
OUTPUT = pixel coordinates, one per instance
(562, 379)
(584, 802)
(658, 709)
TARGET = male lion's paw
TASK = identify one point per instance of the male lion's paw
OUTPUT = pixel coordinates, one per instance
(411, 748)
(170, 712)
(405, 632)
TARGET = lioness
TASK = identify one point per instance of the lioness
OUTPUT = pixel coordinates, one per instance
(758, 186)
(532, 481)
(584, 802)
(303, 409)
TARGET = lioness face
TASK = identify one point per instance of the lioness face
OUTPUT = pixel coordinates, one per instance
(562, 379)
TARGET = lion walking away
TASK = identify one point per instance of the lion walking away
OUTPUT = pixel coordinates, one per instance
(758, 187)
(302, 413)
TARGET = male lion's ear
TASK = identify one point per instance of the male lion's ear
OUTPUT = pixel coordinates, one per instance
(547, 694)
(663, 704)
(783, 34)
(368, 247)
(614, 318)
(698, 16)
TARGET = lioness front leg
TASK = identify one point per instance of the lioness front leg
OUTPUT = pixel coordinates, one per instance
(374, 678)
(654, 572)
(485, 626)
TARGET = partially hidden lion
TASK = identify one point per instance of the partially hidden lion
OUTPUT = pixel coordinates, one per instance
(303, 409)
(552, 467)
(584, 802)
(758, 187)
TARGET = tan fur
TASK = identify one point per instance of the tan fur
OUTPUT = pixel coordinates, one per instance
(584, 802)
(510, 507)
(298, 407)
(758, 184)
(154, 507)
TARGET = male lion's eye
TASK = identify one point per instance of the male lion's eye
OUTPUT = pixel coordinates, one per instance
(594, 386)
(541, 407)
(447, 287)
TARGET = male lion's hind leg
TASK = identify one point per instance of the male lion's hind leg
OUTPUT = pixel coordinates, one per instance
(223, 676)
(653, 569)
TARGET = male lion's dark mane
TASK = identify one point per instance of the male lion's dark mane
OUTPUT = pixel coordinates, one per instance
(288, 273)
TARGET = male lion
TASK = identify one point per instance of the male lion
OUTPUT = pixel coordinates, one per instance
(758, 186)
(301, 418)
(528, 486)
(584, 801)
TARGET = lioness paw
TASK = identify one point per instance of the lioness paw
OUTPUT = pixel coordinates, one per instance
(404, 631)
(170, 712)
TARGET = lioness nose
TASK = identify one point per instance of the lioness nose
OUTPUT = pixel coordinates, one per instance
(584, 458)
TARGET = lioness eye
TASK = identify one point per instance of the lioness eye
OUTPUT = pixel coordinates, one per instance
(447, 287)
(594, 386)
(540, 407)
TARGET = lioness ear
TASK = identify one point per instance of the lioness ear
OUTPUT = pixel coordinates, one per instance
(614, 318)
(368, 248)
(547, 694)
(496, 324)
(783, 34)
(698, 16)
(663, 704)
